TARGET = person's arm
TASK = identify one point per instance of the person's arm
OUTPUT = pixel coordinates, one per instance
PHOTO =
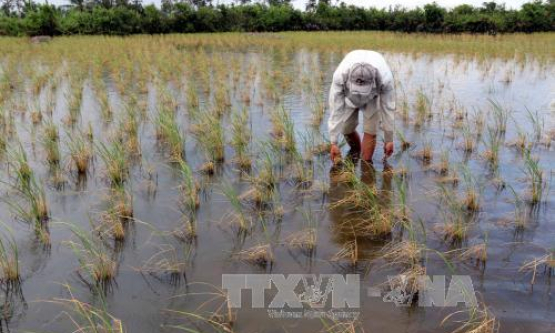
(337, 110)
(387, 99)
(337, 114)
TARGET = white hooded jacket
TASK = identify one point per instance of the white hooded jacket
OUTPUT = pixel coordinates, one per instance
(341, 107)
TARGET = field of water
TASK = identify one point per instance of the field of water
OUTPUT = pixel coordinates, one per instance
(136, 171)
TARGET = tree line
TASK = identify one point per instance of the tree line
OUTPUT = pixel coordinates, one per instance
(124, 17)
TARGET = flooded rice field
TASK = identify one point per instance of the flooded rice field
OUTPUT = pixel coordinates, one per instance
(136, 172)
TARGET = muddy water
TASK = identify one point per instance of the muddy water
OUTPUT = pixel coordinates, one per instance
(143, 301)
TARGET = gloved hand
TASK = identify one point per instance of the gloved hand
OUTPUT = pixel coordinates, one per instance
(334, 152)
(388, 149)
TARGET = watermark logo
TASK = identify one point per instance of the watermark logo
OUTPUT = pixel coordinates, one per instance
(310, 296)
(294, 290)
(337, 296)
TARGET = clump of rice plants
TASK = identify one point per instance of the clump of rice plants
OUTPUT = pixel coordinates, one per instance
(444, 164)
(51, 145)
(189, 187)
(535, 176)
(372, 218)
(21, 167)
(468, 140)
(454, 227)
(87, 318)
(216, 312)
(423, 108)
(97, 268)
(167, 130)
(348, 252)
(547, 262)
(241, 137)
(303, 171)
(477, 252)
(493, 143)
(538, 123)
(210, 136)
(405, 144)
(471, 199)
(260, 255)
(238, 216)
(167, 262)
(80, 152)
(521, 211)
(74, 99)
(318, 110)
(479, 320)
(283, 129)
(9, 257)
(115, 161)
(264, 181)
(500, 116)
(32, 206)
(426, 154)
(305, 239)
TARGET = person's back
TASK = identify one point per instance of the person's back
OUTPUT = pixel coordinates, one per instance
(362, 81)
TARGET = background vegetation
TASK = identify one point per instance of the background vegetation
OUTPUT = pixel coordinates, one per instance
(121, 17)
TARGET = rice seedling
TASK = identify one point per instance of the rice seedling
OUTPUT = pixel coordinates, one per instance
(52, 149)
(87, 318)
(521, 141)
(210, 136)
(283, 129)
(9, 257)
(50, 131)
(444, 165)
(500, 116)
(264, 182)
(468, 140)
(471, 199)
(493, 143)
(23, 172)
(477, 252)
(241, 137)
(426, 154)
(74, 99)
(115, 161)
(423, 108)
(303, 172)
(547, 262)
(405, 144)
(216, 312)
(260, 255)
(97, 268)
(35, 111)
(167, 262)
(535, 175)
(305, 239)
(187, 231)
(349, 252)
(537, 122)
(317, 107)
(454, 227)
(479, 122)
(80, 151)
(479, 320)
(32, 207)
(239, 217)
(168, 131)
(189, 187)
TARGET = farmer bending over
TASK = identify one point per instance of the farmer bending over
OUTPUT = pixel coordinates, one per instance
(362, 81)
